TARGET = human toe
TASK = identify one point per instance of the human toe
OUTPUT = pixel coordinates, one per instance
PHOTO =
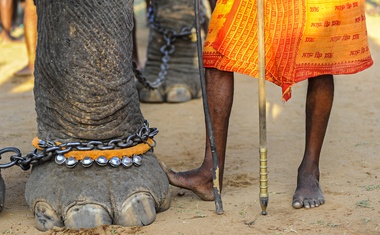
(321, 201)
(297, 203)
(306, 204)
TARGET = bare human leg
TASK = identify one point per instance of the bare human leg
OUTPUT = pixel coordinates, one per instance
(212, 4)
(220, 96)
(6, 7)
(147, 2)
(7, 11)
(319, 101)
(30, 23)
(220, 89)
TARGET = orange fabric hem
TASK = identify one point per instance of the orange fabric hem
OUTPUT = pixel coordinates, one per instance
(303, 39)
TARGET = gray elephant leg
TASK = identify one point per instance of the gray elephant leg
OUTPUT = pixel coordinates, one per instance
(181, 82)
(2, 192)
(84, 90)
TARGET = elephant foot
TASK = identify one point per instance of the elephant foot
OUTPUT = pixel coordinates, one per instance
(177, 93)
(2, 193)
(99, 195)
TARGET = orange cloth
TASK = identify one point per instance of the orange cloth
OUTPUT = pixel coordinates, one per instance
(303, 39)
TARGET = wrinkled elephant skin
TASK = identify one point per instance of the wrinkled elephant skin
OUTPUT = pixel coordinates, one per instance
(2, 192)
(84, 90)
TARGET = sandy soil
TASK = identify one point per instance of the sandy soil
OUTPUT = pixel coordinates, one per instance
(349, 164)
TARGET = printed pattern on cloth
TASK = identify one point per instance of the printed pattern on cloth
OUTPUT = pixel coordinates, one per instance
(303, 39)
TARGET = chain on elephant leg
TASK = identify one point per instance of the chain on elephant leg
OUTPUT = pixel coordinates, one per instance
(171, 65)
(88, 184)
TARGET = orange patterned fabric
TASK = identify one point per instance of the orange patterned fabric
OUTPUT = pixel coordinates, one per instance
(303, 39)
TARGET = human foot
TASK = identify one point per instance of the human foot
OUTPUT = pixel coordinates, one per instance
(308, 193)
(7, 38)
(194, 180)
(26, 71)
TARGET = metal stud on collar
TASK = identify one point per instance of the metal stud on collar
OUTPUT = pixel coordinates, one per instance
(60, 159)
(102, 161)
(71, 162)
(115, 161)
(46, 150)
(126, 161)
(87, 162)
(137, 160)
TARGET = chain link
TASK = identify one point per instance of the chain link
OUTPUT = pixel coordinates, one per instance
(51, 149)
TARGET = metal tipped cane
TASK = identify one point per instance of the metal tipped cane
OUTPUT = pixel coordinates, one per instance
(215, 175)
(262, 111)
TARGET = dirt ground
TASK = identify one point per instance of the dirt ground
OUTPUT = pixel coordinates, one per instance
(350, 163)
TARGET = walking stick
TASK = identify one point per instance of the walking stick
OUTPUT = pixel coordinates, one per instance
(215, 161)
(262, 111)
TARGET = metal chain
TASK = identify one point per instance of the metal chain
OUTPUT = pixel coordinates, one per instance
(50, 148)
(170, 36)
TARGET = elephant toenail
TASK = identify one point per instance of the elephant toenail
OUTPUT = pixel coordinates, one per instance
(87, 216)
(178, 93)
(46, 217)
(137, 210)
(151, 96)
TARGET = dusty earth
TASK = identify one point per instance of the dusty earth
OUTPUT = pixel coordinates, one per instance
(350, 163)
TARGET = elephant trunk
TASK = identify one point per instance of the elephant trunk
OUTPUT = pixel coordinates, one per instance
(84, 84)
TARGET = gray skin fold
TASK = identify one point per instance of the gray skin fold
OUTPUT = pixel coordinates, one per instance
(2, 192)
